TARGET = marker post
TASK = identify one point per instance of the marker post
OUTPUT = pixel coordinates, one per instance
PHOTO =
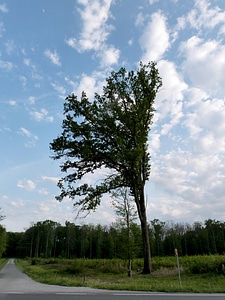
(178, 266)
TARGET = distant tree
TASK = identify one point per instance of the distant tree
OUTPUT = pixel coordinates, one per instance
(110, 132)
(16, 245)
(2, 235)
(70, 239)
(2, 240)
(158, 231)
(2, 217)
(127, 215)
(216, 237)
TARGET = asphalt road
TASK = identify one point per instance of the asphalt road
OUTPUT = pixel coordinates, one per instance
(14, 285)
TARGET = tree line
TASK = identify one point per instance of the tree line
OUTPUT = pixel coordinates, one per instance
(50, 239)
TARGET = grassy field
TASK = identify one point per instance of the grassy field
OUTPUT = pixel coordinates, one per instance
(203, 274)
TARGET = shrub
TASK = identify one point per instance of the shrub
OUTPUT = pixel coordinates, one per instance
(207, 264)
(75, 267)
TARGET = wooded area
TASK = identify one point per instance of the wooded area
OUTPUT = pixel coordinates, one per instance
(51, 239)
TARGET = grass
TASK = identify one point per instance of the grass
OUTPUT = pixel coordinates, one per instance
(112, 274)
(3, 262)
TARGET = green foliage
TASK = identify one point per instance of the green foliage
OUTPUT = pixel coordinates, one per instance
(75, 268)
(16, 246)
(2, 240)
(207, 264)
(112, 132)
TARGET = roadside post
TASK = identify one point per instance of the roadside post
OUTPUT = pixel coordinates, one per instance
(178, 266)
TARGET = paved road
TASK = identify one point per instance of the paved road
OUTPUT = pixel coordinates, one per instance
(15, 285)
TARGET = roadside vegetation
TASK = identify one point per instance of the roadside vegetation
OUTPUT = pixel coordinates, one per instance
(203, 274)
(3, 262)
(103, 256)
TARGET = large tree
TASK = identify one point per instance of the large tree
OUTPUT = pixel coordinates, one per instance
(109, 132)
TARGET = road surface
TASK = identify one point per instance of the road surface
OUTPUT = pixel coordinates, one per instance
(14, 285)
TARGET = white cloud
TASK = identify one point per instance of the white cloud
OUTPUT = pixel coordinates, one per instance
(31, 99)
(130, 42)
(169, 101)
(44, 208)
(25, 132)
(204, 16)
(12, 102)
(41, 115)
(3, 8)
(109, 56)
(59, 88)
(51, 179)
(154, 143)
(139, 19)
(43, 191)
(6, 65)
(153, 1)
(32, 138)
(87, 84)
(5, 129)
(155, 38)
(90, 84)
(26, 184)
(17, 204)
(95, 31)
(70, 82)
(72, 42)
(53, 56)
(206, 126)
(104, 214)
(167, 209)
(196, 175)
(204, 61)
(9, 45)
(23, 80)
(27, 62)
(2, 29)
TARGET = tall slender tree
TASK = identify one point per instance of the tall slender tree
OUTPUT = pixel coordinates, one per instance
(110, 132)
(127, 214)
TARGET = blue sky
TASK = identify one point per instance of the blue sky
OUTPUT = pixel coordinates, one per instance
(50, 49)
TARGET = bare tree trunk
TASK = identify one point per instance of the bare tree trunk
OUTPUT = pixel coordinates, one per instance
(147, 269)
(146, 243)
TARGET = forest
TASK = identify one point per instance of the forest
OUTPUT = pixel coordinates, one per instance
(47, 239)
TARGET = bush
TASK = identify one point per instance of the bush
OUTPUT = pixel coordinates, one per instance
(207, 264)
(35, 261)
(75, 267)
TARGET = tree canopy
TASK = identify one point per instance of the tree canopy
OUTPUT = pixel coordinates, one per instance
(109, 132)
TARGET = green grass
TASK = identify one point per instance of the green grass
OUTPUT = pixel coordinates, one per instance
(3, 262)
(198, 274)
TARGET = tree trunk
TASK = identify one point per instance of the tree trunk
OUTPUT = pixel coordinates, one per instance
(147, 269)
(146, 243)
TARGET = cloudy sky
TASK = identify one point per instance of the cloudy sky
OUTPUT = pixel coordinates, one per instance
(50, 49)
